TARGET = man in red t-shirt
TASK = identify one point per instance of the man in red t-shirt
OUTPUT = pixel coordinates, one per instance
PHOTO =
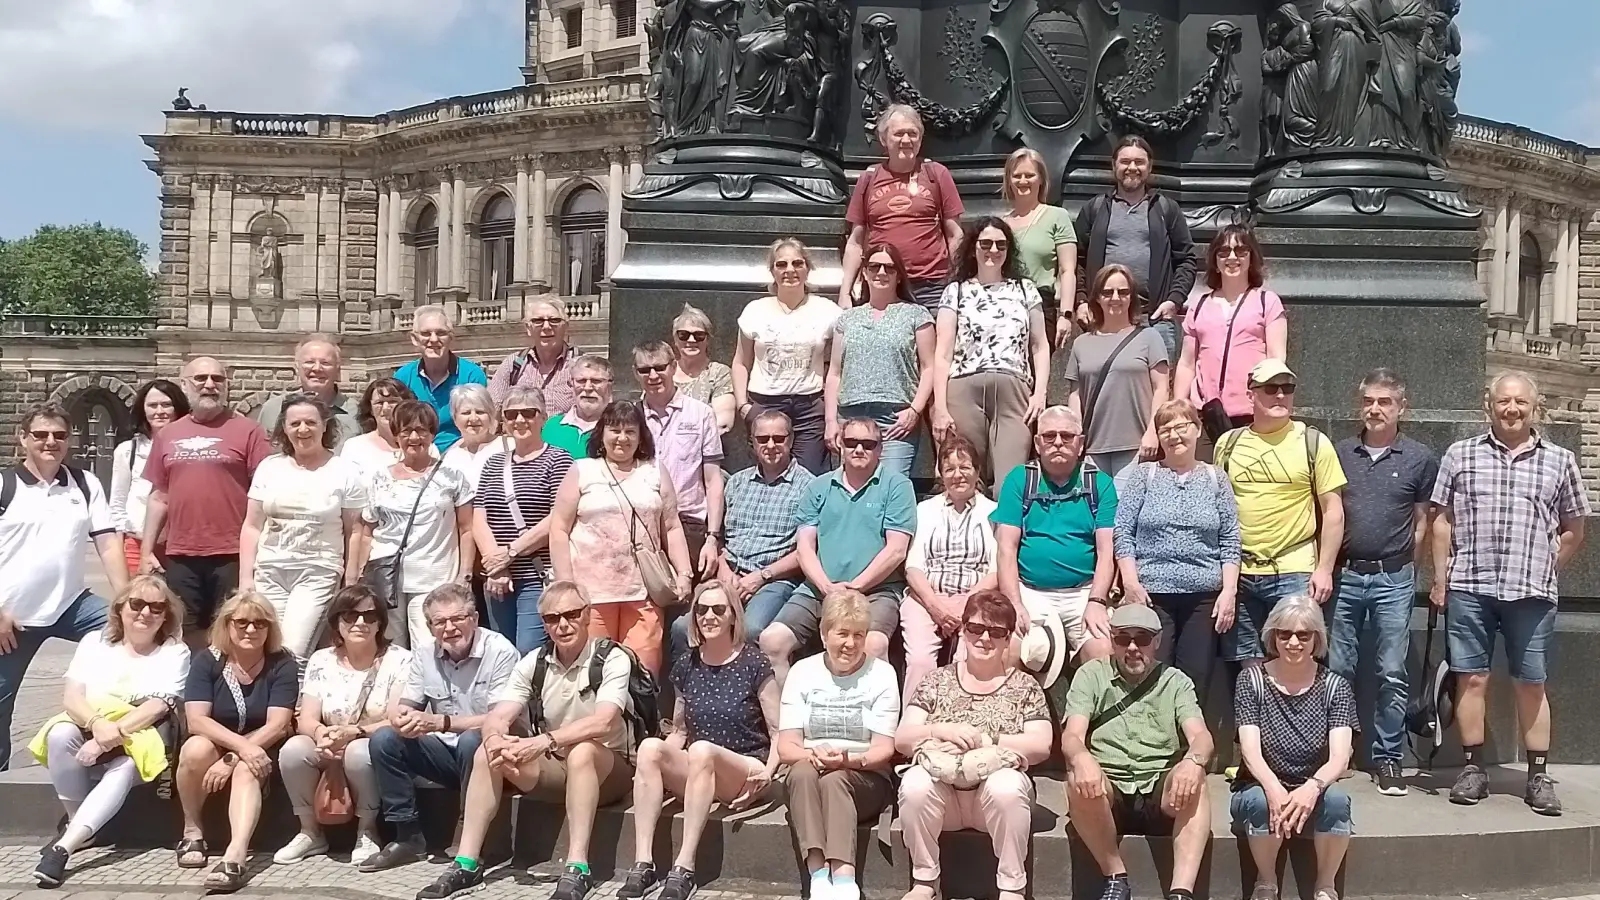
(199, 472)
(909, 202)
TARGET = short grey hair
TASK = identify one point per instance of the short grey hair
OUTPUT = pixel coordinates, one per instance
(1514, 375)
(1073, 420)
(691, 316)
(432, 309)
(897, 111)
(1295, 613)
(318, 338)
(1384, 377)
(464, 395)
(594, 364)
(557, 308)
(525, 396)
(450, 594)
(778, 415)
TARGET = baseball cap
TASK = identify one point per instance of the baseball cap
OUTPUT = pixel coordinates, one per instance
(1271, 370)
(1136, 615)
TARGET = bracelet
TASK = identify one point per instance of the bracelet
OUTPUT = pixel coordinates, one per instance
(446, 724)
(1100, 600)
(1322, 786)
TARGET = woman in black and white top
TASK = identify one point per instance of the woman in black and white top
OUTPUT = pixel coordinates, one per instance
(156, 405)
(511, 519)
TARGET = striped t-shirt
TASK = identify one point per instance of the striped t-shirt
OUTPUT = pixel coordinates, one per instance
(533, 484)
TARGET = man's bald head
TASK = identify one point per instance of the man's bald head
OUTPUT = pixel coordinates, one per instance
(316, 362)
(205, 380)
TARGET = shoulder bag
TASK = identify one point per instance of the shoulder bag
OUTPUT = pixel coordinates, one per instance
(1214, 417)
(386, 576)
(332, 801)
(1092, 396)
(655, 569)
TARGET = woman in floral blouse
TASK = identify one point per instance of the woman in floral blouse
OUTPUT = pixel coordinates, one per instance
(981, 704)
(991, 363)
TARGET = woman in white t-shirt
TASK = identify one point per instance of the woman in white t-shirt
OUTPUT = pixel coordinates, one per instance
(836, 726)
(377, 448)
(303, 517)
(476, 414)
(138, 660)
(348, 693)
(782, 358)
(155, 406)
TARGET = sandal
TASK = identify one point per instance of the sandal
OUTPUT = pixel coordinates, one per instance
(226, 878)
(189, 846)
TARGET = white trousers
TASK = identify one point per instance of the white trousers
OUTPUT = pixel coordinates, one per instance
(300, 595)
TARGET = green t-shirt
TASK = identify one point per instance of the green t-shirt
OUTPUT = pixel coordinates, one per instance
(1057, 547)
(853, 528)
(1137, 747)
(1037, 243)
(880, 353)
(557, 433)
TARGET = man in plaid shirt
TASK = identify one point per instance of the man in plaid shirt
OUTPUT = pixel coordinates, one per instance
(1511, 509)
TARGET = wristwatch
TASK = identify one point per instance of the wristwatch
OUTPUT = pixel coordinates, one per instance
(1322, 786)
(765, 573)
(1100, 600)
(1196, 760)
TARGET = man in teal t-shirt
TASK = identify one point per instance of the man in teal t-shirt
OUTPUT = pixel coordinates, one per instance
(437, 370)
(1053, 526)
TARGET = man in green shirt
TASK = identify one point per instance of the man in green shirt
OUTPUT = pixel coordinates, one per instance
(591, 386)
(1124, 742)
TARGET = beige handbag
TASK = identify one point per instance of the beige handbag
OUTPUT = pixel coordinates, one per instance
(655, 569)
(964, 770)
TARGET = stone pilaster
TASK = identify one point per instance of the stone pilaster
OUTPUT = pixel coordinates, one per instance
(177, 205)
(360, 254)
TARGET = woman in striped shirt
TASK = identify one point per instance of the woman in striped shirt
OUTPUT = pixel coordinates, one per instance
(952, 555)
(510, 519)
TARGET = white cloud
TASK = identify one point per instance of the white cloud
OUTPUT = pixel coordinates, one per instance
(112, 65)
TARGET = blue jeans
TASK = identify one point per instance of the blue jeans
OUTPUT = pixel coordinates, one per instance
(398, 760)
(87, 614)
(897, 455)
(1168, 329)
(1383, 601)
(516, 615)
(1250, 813)
(1529, 625)
(1258, 594)
(759, 611)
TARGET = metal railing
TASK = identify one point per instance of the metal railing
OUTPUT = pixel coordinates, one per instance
(39, 325)
(1505, 134)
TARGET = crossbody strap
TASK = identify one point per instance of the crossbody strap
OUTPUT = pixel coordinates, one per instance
(365, 694)
(509, 485)
(411, 520)
(1093, 395)
(633, 514)
(1134, 696)
(1227, 344)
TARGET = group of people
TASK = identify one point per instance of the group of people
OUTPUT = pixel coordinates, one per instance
(479, 581)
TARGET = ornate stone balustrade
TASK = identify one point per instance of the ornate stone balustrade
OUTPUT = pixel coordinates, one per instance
(30, 325)
(495, 312)
(1487, 131)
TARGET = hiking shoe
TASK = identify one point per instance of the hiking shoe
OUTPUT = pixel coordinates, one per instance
(1471, 786)
(395, 853)
(300, 847)
(1116, 888)
(679, 884)
(1540, 795)
(52, 867)
(455, 880)
(1391, 780)
(575, 884)
(641, 878)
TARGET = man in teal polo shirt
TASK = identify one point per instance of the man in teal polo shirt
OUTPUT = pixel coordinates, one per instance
(591, 386)
(437, 370)
(1054, 529)
(855, 525)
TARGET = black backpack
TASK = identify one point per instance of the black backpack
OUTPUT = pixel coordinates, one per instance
(8, 486)
(643, 714)
(1088, 487)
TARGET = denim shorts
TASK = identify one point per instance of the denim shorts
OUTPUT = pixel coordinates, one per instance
(1252, 816)
(1528, 625)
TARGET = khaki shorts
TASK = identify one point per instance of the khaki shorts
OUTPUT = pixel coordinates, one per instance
(552, 783)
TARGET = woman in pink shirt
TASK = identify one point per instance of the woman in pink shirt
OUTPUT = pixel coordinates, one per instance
(1234, 324)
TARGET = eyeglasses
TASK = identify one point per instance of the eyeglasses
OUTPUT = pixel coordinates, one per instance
(782, 264)
(1304, 637)
(46, 435)
(977, 630)
(1058, 437)
(1176, 429)
(688, 336)
(991, 244)
(521, 413)
(546, 320)
(769, 438)
(1116, 292)
(1234, 250)
(1139, 639)
(435, 335)
(570, 616)
(457, 621)
(250, 624)
(652, 370)
(416, 429)
(860, 443)
(880, 268)
(141, 605)
(209, 379)
(361, 616)
(712, 610)
(1286, 390)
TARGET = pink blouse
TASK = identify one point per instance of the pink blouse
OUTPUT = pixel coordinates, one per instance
(1207, 322)
(602, 555)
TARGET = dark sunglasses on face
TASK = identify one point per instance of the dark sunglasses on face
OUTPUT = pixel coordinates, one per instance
(520, 413)
(880, 268)
(782, 264)
(860, 443)
(45, 435)
(1286, 390)
(249, 624)
(688, 336)
(1304, 637)
(362, 616)
(1234, 250)
(991, 244)
(769, 438)
(139, 605)
(213, 379)
(571, 616)
(977, 630)
(712, 610)
(1139, 639)
(652, 370)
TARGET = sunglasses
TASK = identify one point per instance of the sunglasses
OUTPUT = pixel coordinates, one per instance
(140, 605)
(769, 438)
(691, 336)
(991, 244)
(881, 268)
(1304, 637)
(1286, 390)
(45, 435)
(520, 413)
(1135, 639)
(712, 610)
(782, 264)
(458, 621)
(1058, 437)
(571, 616)
(652, 370)
(977, 630)
(860, 443)
(211, 379)
(361, 616)
(546, 320)
(1116, 292)
(1234, 251)
(250, 624)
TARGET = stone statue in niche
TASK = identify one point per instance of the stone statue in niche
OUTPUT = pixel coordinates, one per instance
(792, 67)
(1396, 106)
(1289, 69)
(266, 282)
(1439, 58)
(697, 62)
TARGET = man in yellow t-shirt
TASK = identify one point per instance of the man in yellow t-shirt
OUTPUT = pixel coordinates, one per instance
(1291, 519)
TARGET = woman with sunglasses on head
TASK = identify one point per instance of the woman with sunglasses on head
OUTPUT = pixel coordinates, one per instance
(980, 702)
(377, 448)
(992, 363)
(124, 682)
(721, 746)
(156, 405)
(511, 519)
(238, 706)
(302, 521)
(1177, 544)
(698, 375)
(882, 360)
(1234, 324)
(349, 693)
(1117, 376)
(478, 417)
(1297, 721)
(1047, 240)
(781, 361)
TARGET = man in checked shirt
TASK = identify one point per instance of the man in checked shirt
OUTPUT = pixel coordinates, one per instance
(1511, 509)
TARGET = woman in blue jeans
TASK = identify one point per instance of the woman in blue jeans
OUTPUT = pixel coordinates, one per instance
(510, 519)
(882, 362)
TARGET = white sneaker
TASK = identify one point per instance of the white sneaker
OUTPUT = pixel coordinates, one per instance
(302, 846)
(821, 889)
(366, 848)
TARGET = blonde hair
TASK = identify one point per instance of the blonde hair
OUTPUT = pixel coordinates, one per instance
(788, 243)
(693, 315)
(148, 588)
(735, 613)
(1297, 613)
(1017, 158)
(845, 609)
(241, 602)
(1173, 410)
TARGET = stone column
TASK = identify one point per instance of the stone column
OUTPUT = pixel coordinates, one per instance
(635, 166)
(540, 249)
(1564, 265)
(1513, 271)
(384, 215)
(519, 239)
(1574, 267)
(443, 258)
(222, 258)
(397, 225)
(614, 189)
(1497, 262)
(198, 281)
(458, 232)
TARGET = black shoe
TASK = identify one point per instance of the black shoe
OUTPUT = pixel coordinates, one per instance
(395, 853)
(1116, 889)
(1540, 796)
(455, 880)
(575, 884)
(679, 884)
(52, 867)
(641, 878)
(1471, 786)
(1391, 780)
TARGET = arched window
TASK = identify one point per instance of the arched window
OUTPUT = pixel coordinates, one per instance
(583, 242)
(424, 240)
(1530, 272)
(495, 231)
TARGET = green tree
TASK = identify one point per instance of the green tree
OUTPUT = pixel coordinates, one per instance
(77, 270)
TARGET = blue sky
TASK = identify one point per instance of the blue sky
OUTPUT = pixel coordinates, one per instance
(81, 79)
